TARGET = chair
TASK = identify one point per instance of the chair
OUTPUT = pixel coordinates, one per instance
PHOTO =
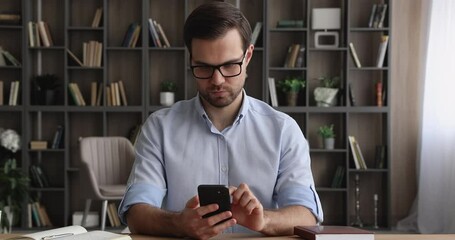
(107, 161)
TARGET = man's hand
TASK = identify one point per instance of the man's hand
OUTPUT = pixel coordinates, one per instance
(193, 225)
(246, 208)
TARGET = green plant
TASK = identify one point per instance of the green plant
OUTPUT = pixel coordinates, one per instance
(46, 82)
(168, 86)
(326, 131)
(293, 84)
(329, 82)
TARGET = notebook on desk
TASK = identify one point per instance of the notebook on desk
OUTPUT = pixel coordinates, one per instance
(71, 233)
(332, 233)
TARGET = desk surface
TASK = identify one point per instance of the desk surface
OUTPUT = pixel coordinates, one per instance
(253, 237)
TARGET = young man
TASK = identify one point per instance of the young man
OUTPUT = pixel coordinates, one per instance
(221, 136)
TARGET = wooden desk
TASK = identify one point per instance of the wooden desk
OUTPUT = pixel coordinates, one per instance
(253, 237)
(376, 237)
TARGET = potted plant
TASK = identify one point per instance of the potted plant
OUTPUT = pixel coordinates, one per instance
(326, 94)
(45, 88)
(291, 86)
(328, 136)
(13, 182)
(167, 94)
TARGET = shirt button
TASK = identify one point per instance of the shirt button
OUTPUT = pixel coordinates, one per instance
(224, 169)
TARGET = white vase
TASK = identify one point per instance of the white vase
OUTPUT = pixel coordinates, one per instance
(167, 98)
(325, 97)
(329, 143)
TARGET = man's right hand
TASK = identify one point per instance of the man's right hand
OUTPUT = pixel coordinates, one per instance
(193, 225)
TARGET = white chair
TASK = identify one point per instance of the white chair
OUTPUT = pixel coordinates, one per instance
(107, 162)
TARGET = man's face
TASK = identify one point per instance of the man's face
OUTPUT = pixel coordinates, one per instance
(220, 91)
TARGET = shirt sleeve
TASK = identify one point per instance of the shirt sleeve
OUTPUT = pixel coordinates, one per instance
(295, 184)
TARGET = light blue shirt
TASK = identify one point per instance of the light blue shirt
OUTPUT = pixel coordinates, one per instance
(179, 148)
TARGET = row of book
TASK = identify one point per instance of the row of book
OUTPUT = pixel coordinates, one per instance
(295, 56)
(13, 93)
(57, 141)
(112, 215)
(92, 54)
(39, 34)
(380, 56)
(132, 35)
(8, 59)
(37, 215)
(38, 177)
(377, 16)
(157, 34)
(115, 94)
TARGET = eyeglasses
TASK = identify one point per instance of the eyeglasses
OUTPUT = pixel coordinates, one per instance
(227, 70)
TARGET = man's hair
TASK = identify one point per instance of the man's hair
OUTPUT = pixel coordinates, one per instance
(213, 20)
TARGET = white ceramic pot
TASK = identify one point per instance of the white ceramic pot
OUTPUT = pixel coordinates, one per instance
(167, 98)
(329, 143)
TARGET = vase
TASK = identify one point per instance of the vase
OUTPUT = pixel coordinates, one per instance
(291, 98)
(325, 97)
(329, 143)
(6, 219)
(167, 98)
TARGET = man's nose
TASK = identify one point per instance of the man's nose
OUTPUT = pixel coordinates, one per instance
(217, 77)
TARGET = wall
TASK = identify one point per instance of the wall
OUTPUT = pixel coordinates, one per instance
(407, 55)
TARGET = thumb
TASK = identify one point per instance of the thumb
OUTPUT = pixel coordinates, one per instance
(193, 202)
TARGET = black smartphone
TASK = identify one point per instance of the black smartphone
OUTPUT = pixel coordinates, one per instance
(219, 194)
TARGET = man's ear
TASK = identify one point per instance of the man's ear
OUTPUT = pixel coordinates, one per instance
(249, 53)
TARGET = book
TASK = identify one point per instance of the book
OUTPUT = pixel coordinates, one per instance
(154, 34)
(378, 89)
(10, 58)
(122, 93)
(74, 232)
(337, 179)
(2, 58)
(351, 95)
(97, 17)
(161, 34)
(10, 18)
(38, 145)
(289, 24)
(299, 62)
(99, 94)
(332, 233)
(354, 55)
(382, 50)
(380, 156)
(372, 14)
(74, 58)
(273, 95)
(58, 137)
(1, 93)
(256, 32)
(359, 161)
(382, 15)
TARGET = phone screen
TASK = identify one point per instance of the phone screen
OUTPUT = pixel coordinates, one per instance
(219, 194)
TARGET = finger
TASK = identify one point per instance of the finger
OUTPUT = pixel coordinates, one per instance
(253, 205)
(237, 195)
(193, 202)
(218, 218)
(207, 209)
(232, 190)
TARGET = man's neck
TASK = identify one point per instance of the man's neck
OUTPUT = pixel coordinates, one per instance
(225, 116)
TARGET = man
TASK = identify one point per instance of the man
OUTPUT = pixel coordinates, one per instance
(222, 136)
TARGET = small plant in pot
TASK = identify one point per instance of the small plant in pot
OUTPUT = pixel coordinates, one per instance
(291, 86)
(46, 86)
(167, 94)
(328, 136)
(326, 94)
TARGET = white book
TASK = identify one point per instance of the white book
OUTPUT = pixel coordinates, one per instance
(272, 89)
(16, 93)
(31, 29)
(256, 32)
(354, 55)
(11, 93)
(382, 50)
(2, 57)
(74, 232)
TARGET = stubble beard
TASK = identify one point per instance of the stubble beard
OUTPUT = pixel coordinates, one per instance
(220, 102)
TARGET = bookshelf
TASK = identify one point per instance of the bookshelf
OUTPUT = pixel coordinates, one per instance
(143, 67)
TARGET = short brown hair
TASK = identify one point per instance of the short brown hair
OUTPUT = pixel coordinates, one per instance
(213, 20)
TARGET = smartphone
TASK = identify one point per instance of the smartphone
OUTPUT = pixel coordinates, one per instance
(219, 194)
